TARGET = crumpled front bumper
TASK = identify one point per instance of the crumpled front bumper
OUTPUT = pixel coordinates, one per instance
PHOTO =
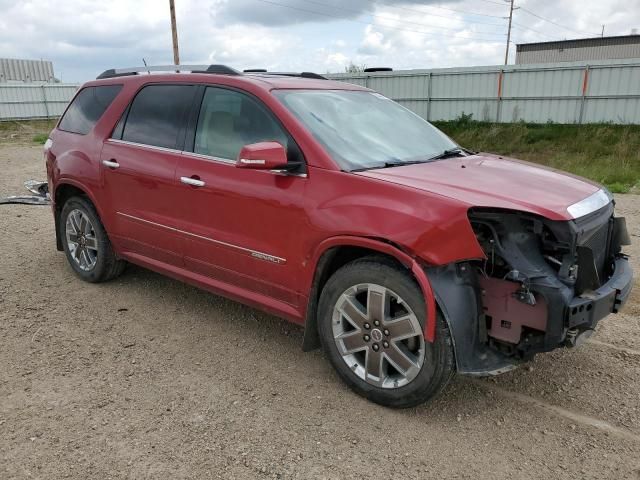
(453, 286)
(586, 310)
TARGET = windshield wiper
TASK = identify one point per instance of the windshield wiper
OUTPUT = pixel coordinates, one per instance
(451, 152)
(388, 164)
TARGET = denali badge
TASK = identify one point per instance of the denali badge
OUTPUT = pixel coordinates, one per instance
(267, 258)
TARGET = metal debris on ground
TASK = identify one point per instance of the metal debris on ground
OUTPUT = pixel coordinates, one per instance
(40, 195)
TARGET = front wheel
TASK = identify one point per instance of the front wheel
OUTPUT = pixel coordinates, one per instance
(371, 323)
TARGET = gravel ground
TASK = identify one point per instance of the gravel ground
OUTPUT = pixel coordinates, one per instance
(145, 377)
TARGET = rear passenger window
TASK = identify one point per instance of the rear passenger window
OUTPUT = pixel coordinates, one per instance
(230, 120)
(87, 108)
(157, 115)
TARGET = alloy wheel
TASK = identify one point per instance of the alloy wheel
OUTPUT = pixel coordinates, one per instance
(81, 240)
(378, 335)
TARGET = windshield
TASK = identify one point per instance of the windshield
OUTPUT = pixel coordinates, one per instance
(362, 130)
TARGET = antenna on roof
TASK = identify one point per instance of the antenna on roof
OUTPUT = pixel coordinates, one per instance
(145, 64)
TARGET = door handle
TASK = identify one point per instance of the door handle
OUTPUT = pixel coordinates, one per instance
(194, 182)
(111, 163)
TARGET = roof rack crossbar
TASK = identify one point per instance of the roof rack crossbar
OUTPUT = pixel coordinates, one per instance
(287, 74)
(215, 69)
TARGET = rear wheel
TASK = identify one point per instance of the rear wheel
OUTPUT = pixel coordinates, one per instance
(86, 244)
(371, 322)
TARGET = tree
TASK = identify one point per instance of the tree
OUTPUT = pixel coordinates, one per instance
(353, 68)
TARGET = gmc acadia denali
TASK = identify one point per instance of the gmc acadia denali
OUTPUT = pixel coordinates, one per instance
(406, 257)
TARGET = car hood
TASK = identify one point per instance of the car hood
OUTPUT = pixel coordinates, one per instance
(486, 180)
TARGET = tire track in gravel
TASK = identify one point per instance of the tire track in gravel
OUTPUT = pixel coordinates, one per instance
(629, 351)
(562, 412)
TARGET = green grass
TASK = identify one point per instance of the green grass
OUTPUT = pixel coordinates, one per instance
(608, 154)
(25, 132)
(40, 138)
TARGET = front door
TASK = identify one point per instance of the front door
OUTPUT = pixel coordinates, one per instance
(240, 221)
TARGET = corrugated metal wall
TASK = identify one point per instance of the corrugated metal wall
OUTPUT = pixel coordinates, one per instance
(16, 70)
(582, 50)
(576, 54)
(23, 101)
(608, 91)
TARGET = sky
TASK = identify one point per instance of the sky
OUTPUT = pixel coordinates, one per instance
(85, 37)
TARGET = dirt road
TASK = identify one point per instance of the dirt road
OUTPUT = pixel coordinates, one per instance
(145, 377)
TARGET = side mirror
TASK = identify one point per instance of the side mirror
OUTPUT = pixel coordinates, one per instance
(262, 156)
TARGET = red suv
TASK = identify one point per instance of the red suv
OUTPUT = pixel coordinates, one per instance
(404, 255)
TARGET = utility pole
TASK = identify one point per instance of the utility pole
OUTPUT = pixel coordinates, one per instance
(506, 55)
(174, 33)
(602, 35)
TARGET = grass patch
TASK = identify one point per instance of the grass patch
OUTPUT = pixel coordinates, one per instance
(40, 138)
(607, 154)
(26, 131)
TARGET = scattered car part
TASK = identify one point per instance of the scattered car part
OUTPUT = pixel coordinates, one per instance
(40, 195)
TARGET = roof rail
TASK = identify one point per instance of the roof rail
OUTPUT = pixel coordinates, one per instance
(213, 69)
(378, 69)
(263, 71)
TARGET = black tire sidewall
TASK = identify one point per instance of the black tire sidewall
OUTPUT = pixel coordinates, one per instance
(438, 362)
(105, 254)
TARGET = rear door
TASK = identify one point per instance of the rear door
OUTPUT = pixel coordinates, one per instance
(243, 225)
(139, 163)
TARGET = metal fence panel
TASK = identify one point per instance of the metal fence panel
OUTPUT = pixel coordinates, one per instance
(603, 91)
(23, 101)
(613, 110)
(614, 81)
(471, 85)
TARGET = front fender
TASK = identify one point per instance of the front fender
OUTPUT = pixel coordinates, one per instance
(386, 248)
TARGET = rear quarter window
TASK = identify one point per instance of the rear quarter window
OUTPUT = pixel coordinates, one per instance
(87, 108)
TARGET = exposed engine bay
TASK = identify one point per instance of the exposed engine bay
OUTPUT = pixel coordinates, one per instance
(543, 284)
(536, 269)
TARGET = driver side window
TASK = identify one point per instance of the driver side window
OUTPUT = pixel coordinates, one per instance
(229, 120)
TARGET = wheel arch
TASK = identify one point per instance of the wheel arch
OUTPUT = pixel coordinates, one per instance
(335, 252)
(64, 190)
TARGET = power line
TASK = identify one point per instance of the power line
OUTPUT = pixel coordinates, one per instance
(384, 17)
(557, 24)
(502, 4)
(422, 12)
(519, 26)
(372, 24)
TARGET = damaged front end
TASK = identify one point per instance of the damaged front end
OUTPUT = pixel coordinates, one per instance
(543, 284)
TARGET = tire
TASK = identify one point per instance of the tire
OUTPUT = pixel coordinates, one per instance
(349, 335)
(91, 256)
